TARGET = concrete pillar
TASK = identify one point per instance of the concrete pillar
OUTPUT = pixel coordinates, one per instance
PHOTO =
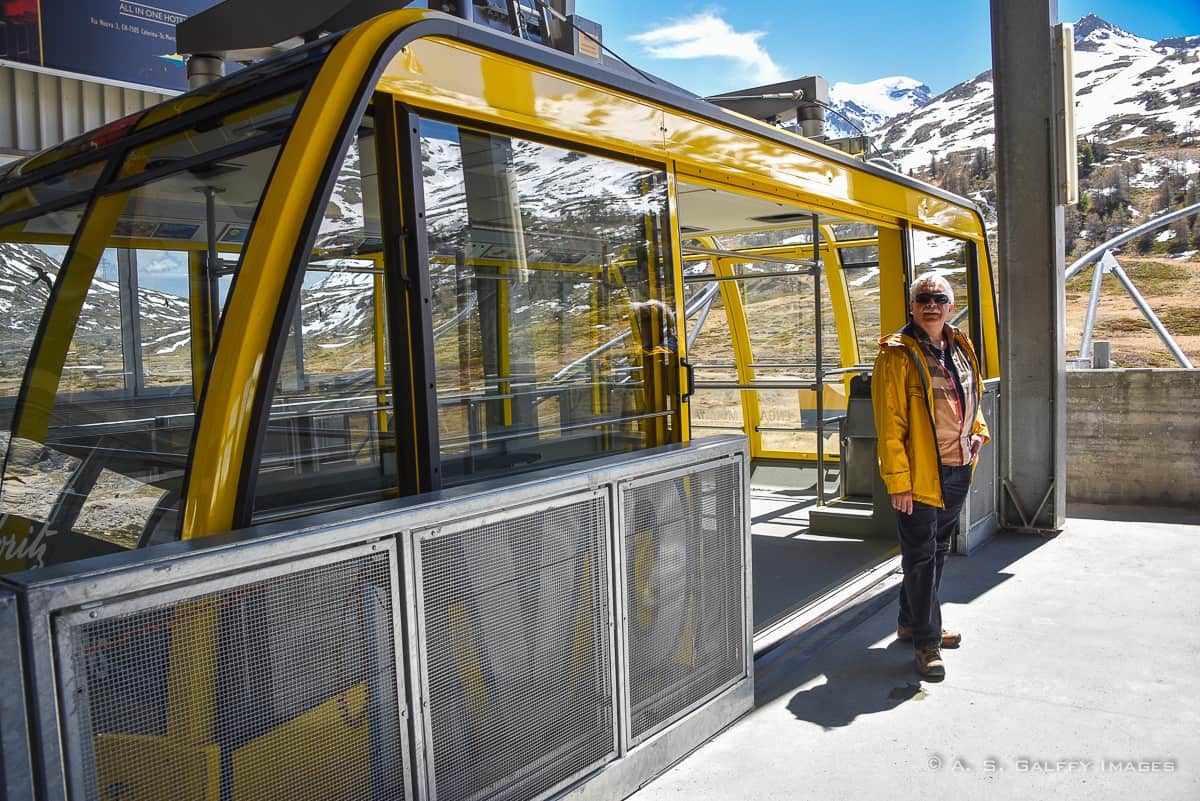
(1032, 441)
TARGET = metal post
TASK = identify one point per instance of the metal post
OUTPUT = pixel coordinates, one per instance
(820, 383)
(1147, 312)
(203, 68)
(1032, 432)
(131, 329)
(1089, 319)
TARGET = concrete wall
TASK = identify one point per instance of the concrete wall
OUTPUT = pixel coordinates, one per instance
(1133, 437)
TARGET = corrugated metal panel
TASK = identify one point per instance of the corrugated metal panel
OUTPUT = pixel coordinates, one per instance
(41, 109)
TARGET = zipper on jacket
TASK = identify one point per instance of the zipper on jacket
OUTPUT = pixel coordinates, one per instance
(916, 357)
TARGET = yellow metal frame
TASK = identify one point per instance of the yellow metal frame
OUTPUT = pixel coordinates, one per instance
(71, 290)
(678, 303)
(224, 426)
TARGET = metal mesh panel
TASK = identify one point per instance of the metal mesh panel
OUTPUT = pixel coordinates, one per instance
(16, 777)
(684, 575)
(517, 651)
(983, 488)
(284, 687)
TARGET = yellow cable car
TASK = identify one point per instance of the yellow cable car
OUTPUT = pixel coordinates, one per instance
(414, 255)
(410, 256)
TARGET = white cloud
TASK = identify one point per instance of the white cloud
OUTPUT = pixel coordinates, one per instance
(708, 36)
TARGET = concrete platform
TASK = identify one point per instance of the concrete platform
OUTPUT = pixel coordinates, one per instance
(1077, 679)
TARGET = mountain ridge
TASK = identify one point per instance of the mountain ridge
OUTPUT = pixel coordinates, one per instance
(1125, 86)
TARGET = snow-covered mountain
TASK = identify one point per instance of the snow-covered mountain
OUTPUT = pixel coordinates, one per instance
(1125, 86)
(26, 275)
(870, 105)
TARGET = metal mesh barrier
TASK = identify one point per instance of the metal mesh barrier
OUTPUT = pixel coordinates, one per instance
(983, 488)
(517, 651)
(684, 573)
(281, 687)
(16, 777)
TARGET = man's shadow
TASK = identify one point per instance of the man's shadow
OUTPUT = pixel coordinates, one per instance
(859, 682)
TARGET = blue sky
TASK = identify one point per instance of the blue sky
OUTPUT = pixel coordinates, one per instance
(935, 41)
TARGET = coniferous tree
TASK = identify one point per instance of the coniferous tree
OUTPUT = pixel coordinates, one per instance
(1086, 159)
(1164, 197)
(1072, 224)
(1144, 243)
(1179, 242)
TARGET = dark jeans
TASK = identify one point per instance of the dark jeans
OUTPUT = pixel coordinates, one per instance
(925, 538)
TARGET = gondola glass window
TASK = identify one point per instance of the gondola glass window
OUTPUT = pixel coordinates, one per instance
(328, 440)
(553, 319)
(860, 271)
(100, 443)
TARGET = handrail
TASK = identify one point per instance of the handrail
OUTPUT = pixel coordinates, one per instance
(471, 303)
(1132, 233)
(1108, 263)
(745, 258)
(854, 368)
(697, 302)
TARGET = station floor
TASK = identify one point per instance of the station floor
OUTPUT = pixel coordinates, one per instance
(1077, 679)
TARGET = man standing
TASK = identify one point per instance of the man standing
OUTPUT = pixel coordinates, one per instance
(927, 390)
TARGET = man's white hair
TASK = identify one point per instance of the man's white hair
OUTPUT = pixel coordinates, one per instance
(931, 281)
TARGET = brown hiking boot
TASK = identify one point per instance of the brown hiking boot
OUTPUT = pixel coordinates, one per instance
(929, 662)
(950, 639)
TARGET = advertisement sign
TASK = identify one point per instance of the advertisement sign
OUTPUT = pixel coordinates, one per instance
(119, 40)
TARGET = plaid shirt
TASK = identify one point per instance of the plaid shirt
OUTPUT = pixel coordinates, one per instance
(954, 402)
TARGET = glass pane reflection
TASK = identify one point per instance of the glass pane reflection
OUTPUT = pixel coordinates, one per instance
(553, 318)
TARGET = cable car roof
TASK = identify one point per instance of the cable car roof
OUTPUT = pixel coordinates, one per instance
(409, 26)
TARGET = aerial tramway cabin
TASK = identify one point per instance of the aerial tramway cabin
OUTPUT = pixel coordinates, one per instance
(482, 352)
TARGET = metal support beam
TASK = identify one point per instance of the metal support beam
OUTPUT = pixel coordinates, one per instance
(1032, 447)
(131, 317)
(1116, 269)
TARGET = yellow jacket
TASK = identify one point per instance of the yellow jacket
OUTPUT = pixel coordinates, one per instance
(902, 396)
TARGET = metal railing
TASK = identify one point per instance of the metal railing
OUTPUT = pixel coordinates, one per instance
(1106, 262)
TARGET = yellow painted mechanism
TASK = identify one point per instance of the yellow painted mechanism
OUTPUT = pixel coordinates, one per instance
(466, 658)
(583, 650)
(134, 767)
(644, 558)
(685, 654)
(294, 760)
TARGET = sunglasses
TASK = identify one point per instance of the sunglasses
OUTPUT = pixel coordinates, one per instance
(937, 297)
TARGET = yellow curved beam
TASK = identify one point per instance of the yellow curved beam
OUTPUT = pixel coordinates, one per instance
(743, 352)
(240, 360)
(839, 299)
(71, 289)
